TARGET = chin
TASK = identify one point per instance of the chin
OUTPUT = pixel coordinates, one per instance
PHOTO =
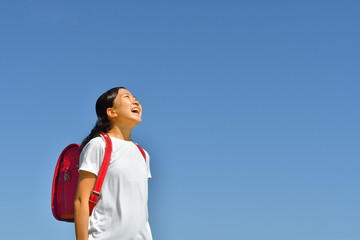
(133, 121)
(137, 121)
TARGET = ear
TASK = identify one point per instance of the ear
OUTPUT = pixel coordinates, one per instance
(111, 113)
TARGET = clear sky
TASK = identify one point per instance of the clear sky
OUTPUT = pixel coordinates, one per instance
(251, 111)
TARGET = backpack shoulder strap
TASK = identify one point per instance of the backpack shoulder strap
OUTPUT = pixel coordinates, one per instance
(95, 194)
(141, 150)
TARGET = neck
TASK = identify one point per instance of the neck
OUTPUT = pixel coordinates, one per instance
(120, 132)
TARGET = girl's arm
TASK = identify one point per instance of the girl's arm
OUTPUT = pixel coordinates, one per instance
(85, 186)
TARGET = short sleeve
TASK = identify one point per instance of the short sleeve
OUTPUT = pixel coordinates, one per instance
(148, 164)
(91, 157)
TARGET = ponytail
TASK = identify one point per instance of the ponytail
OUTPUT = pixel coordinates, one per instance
(96, 131)
(103, 125)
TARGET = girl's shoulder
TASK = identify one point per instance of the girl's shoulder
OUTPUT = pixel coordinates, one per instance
(97, 139)
(96, 142)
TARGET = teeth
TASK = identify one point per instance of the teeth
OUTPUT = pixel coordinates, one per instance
(135, 110)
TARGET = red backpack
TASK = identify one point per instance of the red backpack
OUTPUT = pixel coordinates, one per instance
(66, 179)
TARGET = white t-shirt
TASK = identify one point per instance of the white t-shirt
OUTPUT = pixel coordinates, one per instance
(121, 212)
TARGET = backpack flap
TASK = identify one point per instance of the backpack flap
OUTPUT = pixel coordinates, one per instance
(65, 183)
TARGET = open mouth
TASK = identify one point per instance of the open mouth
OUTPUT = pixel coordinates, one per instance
(135, 110)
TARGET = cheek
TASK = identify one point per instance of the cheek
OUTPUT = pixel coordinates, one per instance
(121, 109)
(122, 104)
(125, 109)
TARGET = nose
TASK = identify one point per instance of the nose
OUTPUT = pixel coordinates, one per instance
(136, 102)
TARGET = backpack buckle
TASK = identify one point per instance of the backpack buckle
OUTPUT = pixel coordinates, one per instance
(94, 197)
(95, 193)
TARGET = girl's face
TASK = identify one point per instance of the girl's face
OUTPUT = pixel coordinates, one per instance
(126, 110)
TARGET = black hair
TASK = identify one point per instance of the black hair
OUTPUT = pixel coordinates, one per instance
(102, 125)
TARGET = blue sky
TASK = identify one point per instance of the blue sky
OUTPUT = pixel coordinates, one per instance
(251, 113)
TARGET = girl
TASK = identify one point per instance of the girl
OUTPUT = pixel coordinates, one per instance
(121, 212)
